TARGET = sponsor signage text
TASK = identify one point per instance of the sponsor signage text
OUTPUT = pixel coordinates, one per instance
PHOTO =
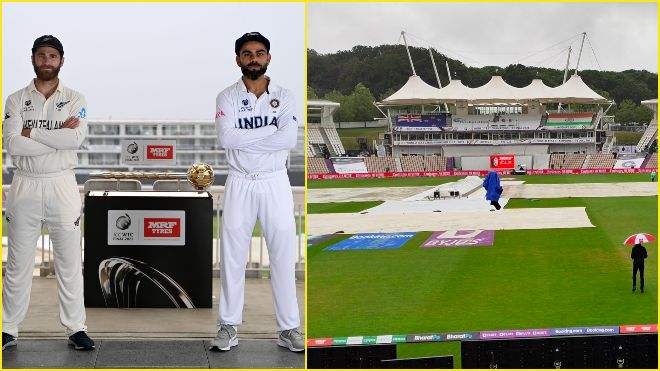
(145, 152)
(372, 241)
(460, 238)
(146, 227)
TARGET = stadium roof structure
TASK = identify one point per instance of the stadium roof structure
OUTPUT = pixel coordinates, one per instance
(576, 91)
(455, 91)
(414, 91)
(322, 105)
(538, 89)
(495, 91)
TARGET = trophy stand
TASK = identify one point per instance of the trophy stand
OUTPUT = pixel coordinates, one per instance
(149, 249)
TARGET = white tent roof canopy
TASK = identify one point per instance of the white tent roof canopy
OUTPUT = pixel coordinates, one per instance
(416, 91)
(455, 91)
(576, 91)
(496, 91)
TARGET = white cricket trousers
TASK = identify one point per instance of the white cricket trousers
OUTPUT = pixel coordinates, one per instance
(54, 199)
(268, 197)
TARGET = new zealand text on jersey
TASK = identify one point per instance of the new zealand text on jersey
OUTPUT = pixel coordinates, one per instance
(255, 122)
(42, 124)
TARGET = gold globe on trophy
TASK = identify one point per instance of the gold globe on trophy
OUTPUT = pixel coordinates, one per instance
(200, 175)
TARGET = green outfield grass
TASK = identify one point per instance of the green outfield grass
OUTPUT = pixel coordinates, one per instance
(627, 138)
(349, 137)
(340, 207)
(431, 181)
(381, 182)
(528, 279)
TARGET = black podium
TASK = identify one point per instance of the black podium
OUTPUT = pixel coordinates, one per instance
(148, 249)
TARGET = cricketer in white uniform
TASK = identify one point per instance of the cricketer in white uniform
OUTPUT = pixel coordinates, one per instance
(43, 125)
(257, 126)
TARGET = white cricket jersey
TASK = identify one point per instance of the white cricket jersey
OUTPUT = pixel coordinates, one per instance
(257, 133)
(50, 148)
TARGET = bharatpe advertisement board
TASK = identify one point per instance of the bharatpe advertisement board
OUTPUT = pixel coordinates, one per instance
(148, 249)
(148, 152)
(372, 241)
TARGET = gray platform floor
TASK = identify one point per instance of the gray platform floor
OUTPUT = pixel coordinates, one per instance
(150, 354)
(152, 338)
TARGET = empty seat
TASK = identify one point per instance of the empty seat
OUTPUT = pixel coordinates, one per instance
(112, 185)
(173, 185)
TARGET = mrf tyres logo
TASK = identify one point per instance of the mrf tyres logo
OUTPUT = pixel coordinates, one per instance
(160, 152)
(162, 227)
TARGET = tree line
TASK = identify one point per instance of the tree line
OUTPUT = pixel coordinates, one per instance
(355, 78)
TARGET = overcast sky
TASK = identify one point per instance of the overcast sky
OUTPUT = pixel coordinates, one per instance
(152, 60)
(622, 35)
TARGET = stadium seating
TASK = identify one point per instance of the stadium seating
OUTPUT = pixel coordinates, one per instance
(314, 136)
(435, 163)
(650, 133)
(599, 161)
(335, 142)
(652, 163)
(573, 161)
(569, 161)
(423, 163)
(412, 163)
(380, 164)
(317, 166)
(556, 159)
(324, 135)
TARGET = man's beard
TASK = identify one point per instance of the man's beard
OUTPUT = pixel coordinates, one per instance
(45, 75)
(253, 75)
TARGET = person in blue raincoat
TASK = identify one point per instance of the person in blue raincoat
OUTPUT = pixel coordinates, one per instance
(493, 189)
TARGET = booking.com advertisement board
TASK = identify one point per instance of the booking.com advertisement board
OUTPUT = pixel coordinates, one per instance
(372, 241)
(148, 152)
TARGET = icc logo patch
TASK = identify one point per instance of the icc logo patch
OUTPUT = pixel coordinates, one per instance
(123, 222)
(274, 103)
(132, 148)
